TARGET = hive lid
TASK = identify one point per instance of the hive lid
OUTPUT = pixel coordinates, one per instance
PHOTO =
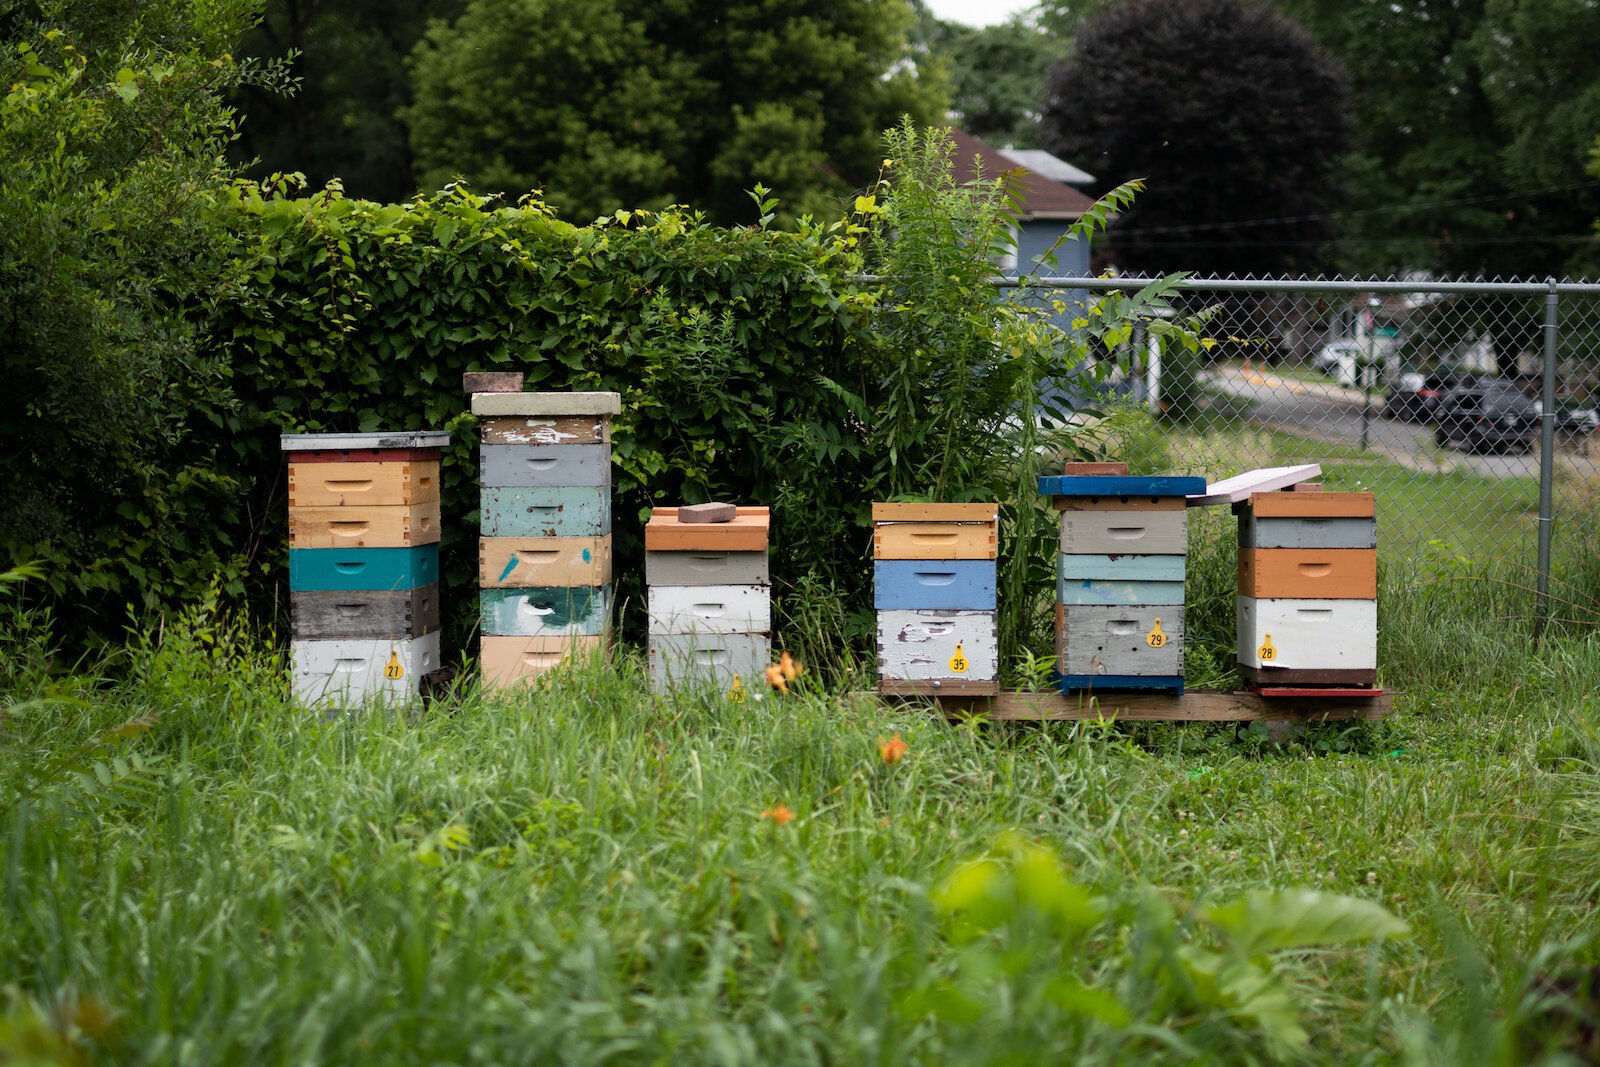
(1115, 485)
(936, 512)
(381, 440)
(1241, 486)
(546, 403)
(746, 533)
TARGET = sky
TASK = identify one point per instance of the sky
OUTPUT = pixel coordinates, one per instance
(977, 12)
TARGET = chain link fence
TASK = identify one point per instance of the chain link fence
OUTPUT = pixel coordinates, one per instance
(1470, 408)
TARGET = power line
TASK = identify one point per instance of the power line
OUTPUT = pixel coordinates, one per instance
(1334, 216)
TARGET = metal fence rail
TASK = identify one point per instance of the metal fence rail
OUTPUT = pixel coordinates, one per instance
(1470, 406)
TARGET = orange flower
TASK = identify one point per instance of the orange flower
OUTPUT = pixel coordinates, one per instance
(791, 669)
(892, 750)
(776, 679)
(780, 814)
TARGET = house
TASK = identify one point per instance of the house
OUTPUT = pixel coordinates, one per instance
(1049, 206)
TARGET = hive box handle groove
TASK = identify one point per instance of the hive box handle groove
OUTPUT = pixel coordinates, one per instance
(1126, 533)
(1122, 627)
(534, 557)
(349, 485)
(538, 609)
(1316, 570)
(934, 538)
(935, 577)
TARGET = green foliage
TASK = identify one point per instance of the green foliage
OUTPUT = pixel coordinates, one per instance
(634, 103)
(1471, 123)
(996, 75)
(109, 179)
(948, 376)
(584, 871)
(364, 315)
(1049, 962)
(348, 59)
(1227, 109)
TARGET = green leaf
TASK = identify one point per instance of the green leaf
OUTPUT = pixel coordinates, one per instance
(1266, 921)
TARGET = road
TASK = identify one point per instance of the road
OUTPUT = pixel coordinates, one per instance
(1332, 413)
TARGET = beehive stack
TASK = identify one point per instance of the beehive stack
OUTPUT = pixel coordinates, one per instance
(544, 563)
(934, 591)
(363, 564)
(1308, 589)
(1119, 586)
(710, 595)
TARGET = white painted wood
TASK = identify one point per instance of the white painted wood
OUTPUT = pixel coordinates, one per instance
(921, 645)
(533, 404)
(346, 673)
(710, 659)
(1232, 490)
(709, 609)
(1123, 532)
(1308, 634)
(381, 441)
(1141, 640)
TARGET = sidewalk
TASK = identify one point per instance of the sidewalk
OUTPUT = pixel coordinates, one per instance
(1328, 390)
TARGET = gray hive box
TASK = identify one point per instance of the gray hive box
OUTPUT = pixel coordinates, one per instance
(350, 442)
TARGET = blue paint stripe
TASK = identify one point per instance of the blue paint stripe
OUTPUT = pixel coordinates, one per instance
(1088, 684)
(1114, 485)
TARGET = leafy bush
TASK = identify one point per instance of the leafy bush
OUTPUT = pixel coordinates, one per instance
(109, 252)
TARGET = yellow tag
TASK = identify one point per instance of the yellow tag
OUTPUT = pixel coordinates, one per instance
(736, 693)
(958, 662)
(1266, 651)
(1155, 638)
(392, 669)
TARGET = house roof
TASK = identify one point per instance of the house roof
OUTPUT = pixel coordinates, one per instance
(1053, 167)
(1041, 198)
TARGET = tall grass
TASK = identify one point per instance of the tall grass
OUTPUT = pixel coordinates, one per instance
(584, 872)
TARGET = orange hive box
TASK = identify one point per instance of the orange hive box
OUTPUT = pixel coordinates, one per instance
(746, 533)
(1313, 505)
(1311, 573)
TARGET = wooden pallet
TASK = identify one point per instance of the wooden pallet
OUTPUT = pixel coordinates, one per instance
(1193, 706)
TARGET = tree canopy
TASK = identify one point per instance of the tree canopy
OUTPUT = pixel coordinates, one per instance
(640, 103)
(1473, 120)
(112, 134)
(349, 61)
(1231, 112)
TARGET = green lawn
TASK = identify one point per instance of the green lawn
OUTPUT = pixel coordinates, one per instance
(586, 873)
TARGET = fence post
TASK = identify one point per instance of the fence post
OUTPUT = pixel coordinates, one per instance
(1547, 462)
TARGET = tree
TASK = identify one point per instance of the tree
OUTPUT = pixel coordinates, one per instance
(996, 75)
(1231, 112)
(112, 136)
(342, 121)
(1472, 119)
(640, 103)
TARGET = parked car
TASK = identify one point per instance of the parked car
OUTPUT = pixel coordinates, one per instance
(1417, 396)
(1350, 363)
(1491, 415)
(1339, 360)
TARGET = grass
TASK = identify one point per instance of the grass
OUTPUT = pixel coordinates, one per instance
(195, 871)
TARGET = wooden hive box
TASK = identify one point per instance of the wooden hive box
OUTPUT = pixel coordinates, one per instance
(748, 532)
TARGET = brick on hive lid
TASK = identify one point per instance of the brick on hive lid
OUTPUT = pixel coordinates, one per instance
(491, 381)
(709, 512)
(1085, 469)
